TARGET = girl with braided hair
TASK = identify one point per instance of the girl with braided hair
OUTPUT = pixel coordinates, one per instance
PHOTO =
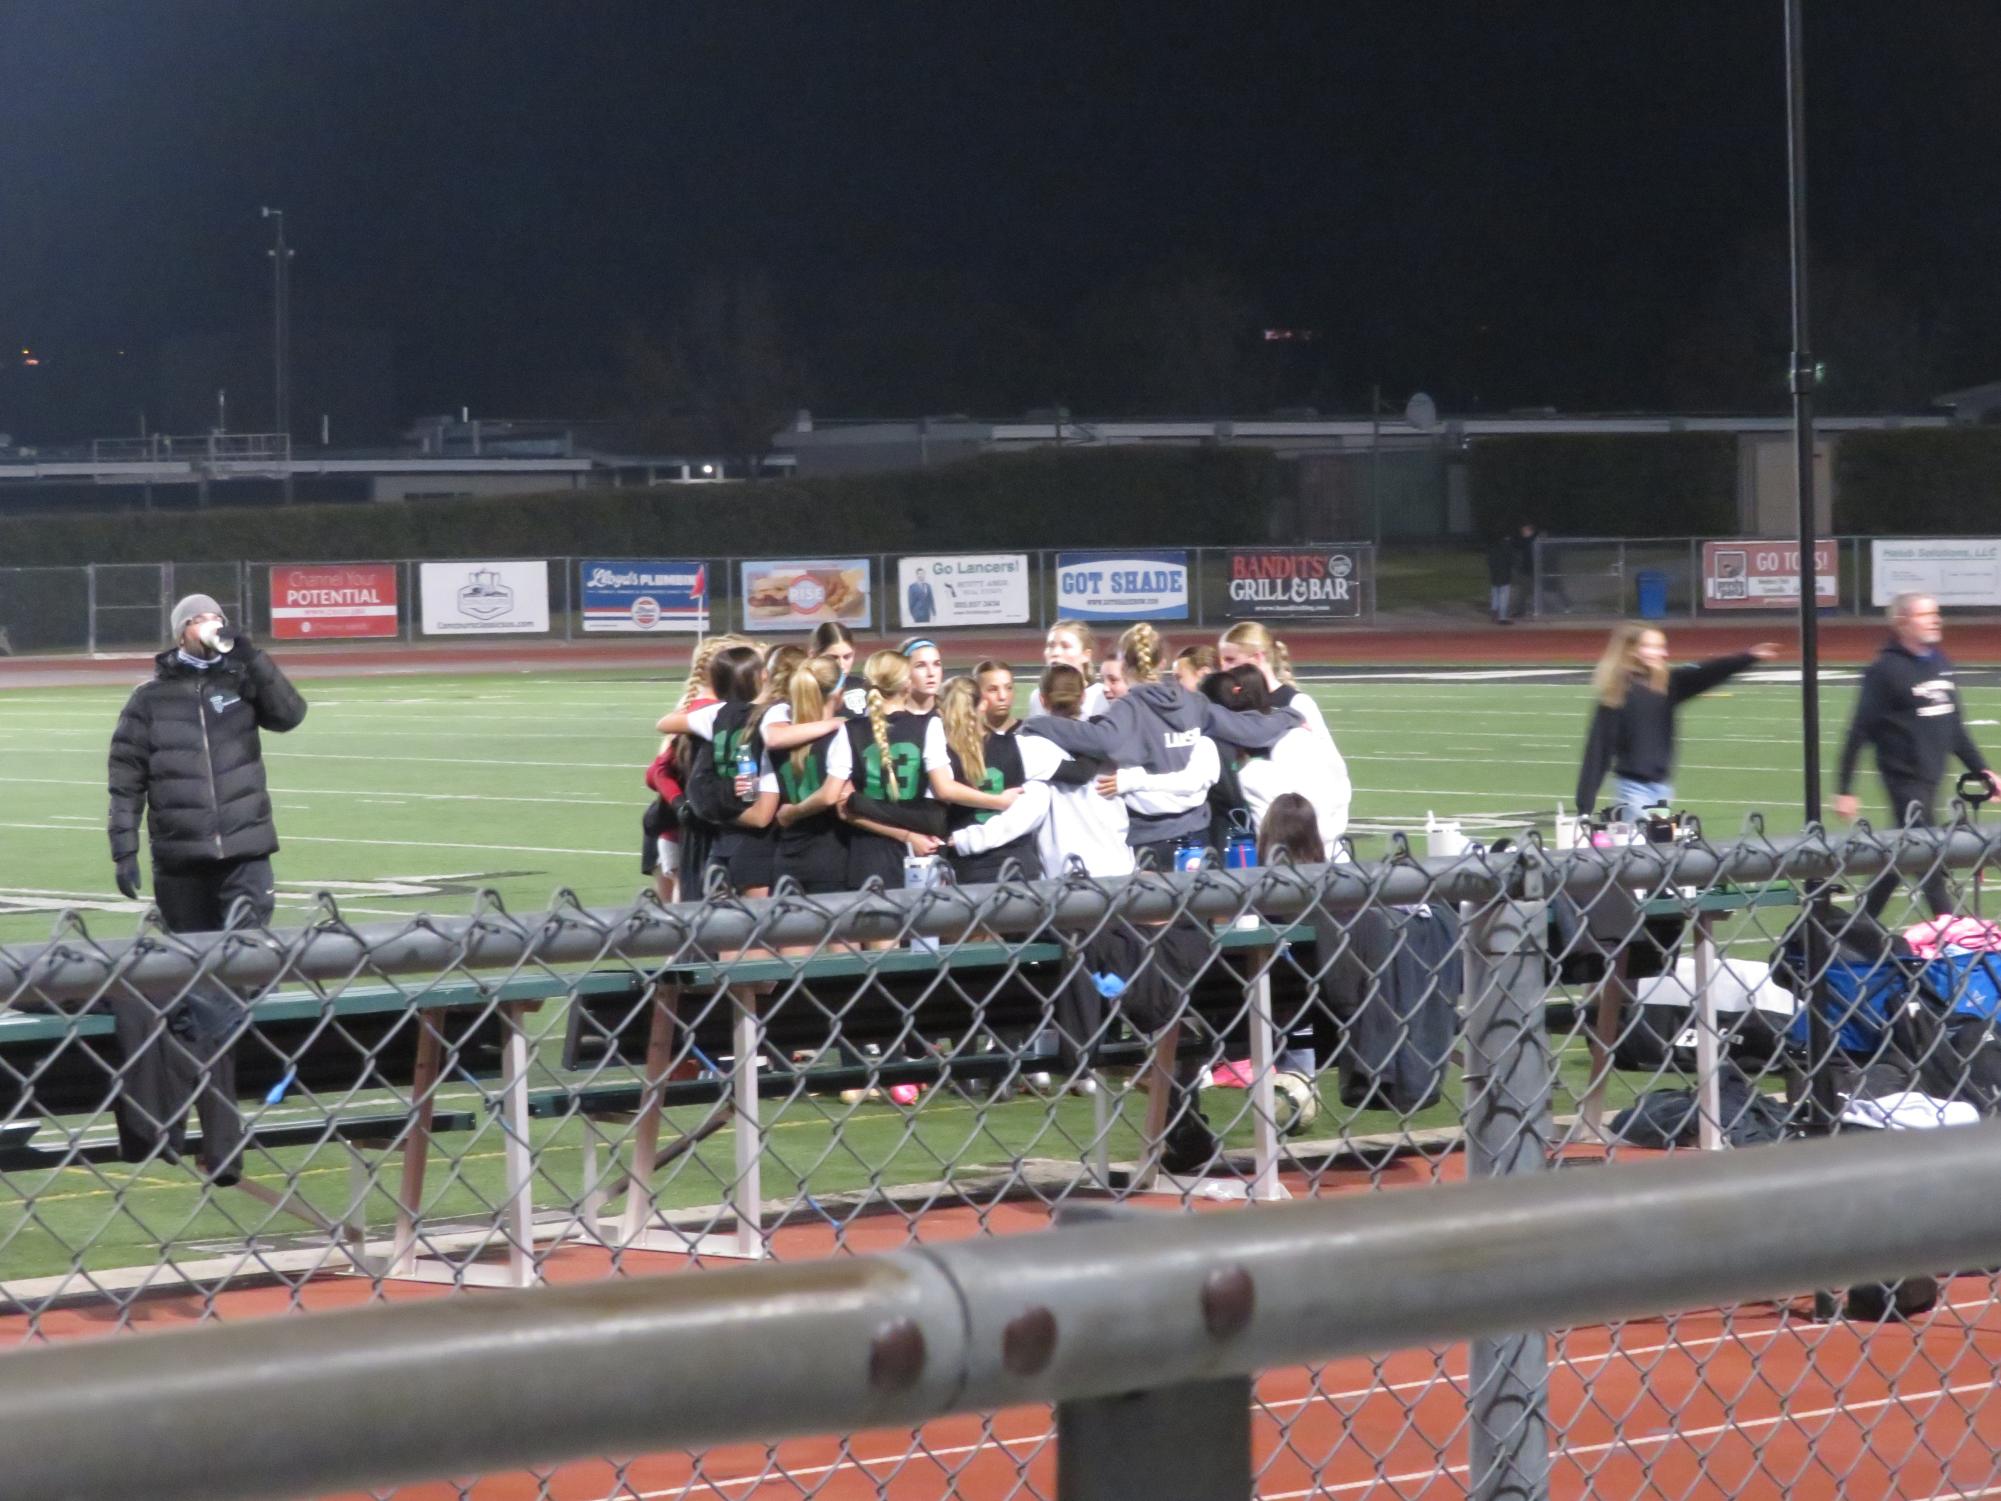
(877, 770)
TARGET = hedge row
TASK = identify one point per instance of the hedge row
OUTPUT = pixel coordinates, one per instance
(1625, 485)
(1937, 481)
(1106, 497)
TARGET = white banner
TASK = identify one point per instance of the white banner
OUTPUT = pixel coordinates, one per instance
(485, 599)
(988, 588)
(1953, 570)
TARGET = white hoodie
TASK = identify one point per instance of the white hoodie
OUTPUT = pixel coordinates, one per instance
(1069, 820)
(1302, 761)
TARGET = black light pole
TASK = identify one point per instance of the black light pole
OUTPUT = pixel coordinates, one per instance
(1802, 376)
(281, 336)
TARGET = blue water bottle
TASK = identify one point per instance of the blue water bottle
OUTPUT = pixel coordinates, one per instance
(1188, 856)
(1242, 853)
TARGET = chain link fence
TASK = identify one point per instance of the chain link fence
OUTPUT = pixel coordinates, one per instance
(267, 1121)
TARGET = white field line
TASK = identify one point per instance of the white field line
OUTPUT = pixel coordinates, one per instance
(365, 792)
(415, 844)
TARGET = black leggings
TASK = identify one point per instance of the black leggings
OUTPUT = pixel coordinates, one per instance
(1937, 892)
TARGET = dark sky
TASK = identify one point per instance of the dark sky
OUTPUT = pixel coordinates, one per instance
(1510, 204)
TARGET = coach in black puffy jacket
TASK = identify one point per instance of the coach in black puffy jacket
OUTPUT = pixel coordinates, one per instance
(188, 749)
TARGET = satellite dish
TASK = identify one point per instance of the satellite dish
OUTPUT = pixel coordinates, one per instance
(1421, 412)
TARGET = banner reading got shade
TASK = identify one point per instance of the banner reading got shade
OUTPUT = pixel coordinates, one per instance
(1137, 585)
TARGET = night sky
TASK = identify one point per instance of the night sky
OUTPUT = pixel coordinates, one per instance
(994, 207)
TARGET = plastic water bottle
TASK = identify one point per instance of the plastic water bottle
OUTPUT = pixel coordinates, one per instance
(920, 871)
(746, 765)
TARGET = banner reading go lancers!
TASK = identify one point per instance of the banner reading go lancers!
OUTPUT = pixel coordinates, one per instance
(345, 600)
(1296, 581)
(649, 596)
(964, 589)
(1122, 585)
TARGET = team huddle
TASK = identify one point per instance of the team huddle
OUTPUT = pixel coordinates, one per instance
(786, 763)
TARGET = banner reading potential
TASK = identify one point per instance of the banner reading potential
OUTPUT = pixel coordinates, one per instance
(651, 596)
(964, 589)
(1758, 575)
(806, 591)
(341, 601)
(1122, 585)
(485, 599)
(1296, 582)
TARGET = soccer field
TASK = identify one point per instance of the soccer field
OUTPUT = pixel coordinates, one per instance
(406, 794)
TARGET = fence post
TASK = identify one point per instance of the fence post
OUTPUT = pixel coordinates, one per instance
(1508, 1086)
(90, 608)
(1201, 611)
(1694, 578)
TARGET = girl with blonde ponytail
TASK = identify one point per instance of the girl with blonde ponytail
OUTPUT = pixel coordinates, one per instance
(985, 779)
(1250, 642)
(877, 776)
(812, 841)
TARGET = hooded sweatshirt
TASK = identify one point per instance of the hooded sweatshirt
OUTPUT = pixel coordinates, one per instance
(1155, 727)
(1070, 821)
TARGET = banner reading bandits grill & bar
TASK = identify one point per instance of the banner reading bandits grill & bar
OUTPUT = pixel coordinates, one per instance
(341, 601)
(1296, 582)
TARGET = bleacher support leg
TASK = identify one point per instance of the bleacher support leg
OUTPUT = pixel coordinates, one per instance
(1190, 1442)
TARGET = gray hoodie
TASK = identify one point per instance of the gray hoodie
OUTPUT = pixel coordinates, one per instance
(1155, 728)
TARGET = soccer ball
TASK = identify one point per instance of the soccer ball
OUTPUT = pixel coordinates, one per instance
(1294, 1101)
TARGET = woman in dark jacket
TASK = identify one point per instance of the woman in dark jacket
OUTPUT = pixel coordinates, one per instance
(1632, 729)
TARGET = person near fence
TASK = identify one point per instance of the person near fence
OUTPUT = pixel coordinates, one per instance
(927, 673)
(685, 840)
(1908, 712)
(188, 752)
(1632, 725)
(1072, 643)
(1500, 575)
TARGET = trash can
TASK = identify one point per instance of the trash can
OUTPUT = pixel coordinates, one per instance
(1652, 586)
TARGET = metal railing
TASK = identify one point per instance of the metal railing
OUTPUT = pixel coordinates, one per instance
(1112, 1321)
(502, 1099)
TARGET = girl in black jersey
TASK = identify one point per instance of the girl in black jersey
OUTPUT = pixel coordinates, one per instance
(986, 762)
(832, 639)
(881, 760)
(927, 673)
(1250, 643)
(812, 840)
(742, 815)
(995, 681)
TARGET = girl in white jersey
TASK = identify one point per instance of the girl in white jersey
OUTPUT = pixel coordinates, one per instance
(1249, 642)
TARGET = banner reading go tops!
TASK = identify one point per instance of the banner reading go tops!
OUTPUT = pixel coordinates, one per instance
(1139, 585)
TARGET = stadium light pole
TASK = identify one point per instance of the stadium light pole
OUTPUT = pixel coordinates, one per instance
(281, 335)
(1801, 381)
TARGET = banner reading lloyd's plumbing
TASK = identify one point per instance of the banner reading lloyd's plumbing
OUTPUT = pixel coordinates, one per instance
(1296, 582)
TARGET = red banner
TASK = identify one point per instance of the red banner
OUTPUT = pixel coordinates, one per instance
(316, 602)
(1755, 574)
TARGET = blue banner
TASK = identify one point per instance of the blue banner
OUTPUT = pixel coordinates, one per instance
(1122, 585)
(644, 596)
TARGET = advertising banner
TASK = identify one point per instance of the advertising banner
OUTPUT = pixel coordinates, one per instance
(1753, 574)
(644, 596)
(340, 601)
(806, 591)
(1953, 570)
(988, 588)
(485, 599)
(1299, 582)
(1136, 585)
